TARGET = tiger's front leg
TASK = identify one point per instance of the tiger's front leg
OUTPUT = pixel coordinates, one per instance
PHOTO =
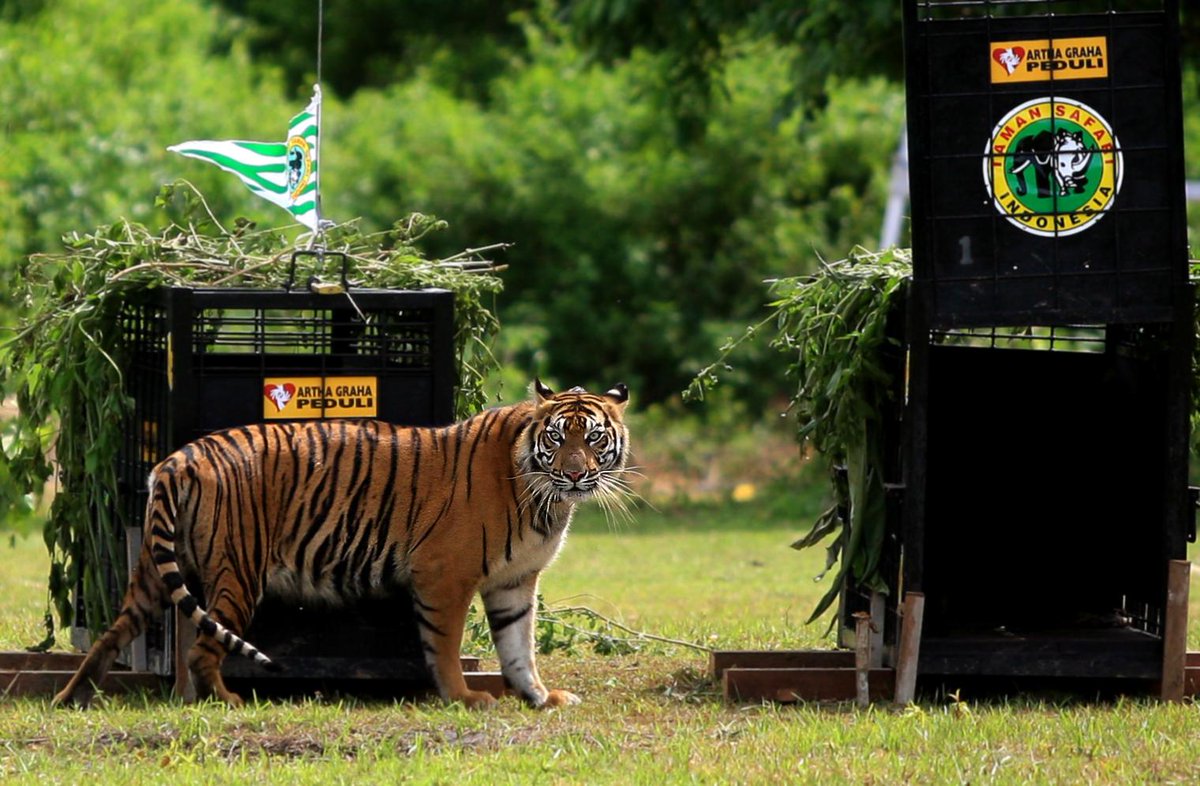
(511, 612)
(440, 622)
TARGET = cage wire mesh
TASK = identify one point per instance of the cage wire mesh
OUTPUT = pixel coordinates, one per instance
(1049, 323)
(392, 338)
(1049, 338)
(1046, 148)
(196, 361)
(960, 9)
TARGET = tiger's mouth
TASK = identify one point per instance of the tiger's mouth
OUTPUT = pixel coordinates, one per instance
(573, 492)
(568, 480)
(573, 487)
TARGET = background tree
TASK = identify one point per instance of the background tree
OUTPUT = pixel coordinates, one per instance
(94, 92)
(653, 162)
(376, 43)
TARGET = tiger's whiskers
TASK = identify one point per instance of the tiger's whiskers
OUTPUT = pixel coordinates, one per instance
(538, 494)
(615, 496)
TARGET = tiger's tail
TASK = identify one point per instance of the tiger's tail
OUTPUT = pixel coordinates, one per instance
(161, 512)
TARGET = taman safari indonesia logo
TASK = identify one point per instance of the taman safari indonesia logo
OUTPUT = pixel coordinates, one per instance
(1053, 166)
(299, 165)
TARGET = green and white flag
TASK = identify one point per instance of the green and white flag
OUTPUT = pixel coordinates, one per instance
(281, 172)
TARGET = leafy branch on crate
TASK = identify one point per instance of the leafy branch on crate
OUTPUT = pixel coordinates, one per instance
(63, 365)
(832, 327)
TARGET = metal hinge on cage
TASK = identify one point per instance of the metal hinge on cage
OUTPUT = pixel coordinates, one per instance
(315, 284)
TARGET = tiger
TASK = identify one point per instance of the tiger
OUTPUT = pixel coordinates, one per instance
(340, 509)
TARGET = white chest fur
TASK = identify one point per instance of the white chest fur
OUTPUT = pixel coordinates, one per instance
(531, 552)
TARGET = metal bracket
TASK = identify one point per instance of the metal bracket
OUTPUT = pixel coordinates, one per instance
(313, 283)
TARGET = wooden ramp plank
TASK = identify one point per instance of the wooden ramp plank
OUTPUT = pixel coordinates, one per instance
(720, 661)
(1191, 681)
(804, 684)
(46, 673)
(488, 681)
(1174, 664)
(40, 661)
(297, 668)
(910, 647)
(46, 683)
(1191, 674)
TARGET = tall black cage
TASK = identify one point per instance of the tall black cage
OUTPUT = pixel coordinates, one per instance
(1046, 155)
(198, 360)
(1045, 447)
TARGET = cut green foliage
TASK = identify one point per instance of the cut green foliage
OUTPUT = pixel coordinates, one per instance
(572, 630)
(844, 351)
(834, 329)
(64, 362)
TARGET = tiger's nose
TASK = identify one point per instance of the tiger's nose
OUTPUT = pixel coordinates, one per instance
(574, 477)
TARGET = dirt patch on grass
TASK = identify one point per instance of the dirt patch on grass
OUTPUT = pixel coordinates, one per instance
(348, 738)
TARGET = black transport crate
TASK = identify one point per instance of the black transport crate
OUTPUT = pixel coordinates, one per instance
(1054, 494)
(1044, 436)
(1046, 153)
(199, 360)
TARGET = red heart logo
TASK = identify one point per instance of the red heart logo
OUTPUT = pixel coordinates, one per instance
(280, 395)
(1009, 57)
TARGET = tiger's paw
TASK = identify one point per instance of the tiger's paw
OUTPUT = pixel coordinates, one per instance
(79, 697)
(231, 698)
(560, 698)
(477, 700)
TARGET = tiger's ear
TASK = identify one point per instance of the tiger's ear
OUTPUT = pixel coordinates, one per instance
(619, 394)
(541, 393)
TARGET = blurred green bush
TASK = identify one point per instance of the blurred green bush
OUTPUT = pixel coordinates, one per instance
(639, 248)
(636, 251)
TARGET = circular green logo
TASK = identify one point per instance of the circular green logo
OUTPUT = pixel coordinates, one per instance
(1053, 166)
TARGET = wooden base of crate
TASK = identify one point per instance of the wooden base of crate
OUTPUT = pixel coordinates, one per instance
(795, 675)
(828, 675)
(34, 674)
(37, 674)
(1191, 674)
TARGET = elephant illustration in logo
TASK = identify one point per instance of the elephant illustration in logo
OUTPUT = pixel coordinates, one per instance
(295, 166)
(1072, 159)
(1058, 159)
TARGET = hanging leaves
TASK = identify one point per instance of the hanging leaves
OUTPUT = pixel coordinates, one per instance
(832, 327)
(62, 364)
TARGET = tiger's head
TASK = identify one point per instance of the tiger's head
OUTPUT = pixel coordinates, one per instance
(576, 445)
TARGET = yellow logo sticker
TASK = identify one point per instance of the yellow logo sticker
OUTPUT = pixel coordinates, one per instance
(299, 166)
(292, 398)
(1053, 166)
(1040, 60)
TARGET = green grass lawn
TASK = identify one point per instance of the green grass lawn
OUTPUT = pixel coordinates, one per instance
(720, 575)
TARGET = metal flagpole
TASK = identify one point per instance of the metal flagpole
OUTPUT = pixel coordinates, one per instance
(318, 238)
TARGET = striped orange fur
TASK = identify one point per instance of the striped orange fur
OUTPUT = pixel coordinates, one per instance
(343, 509)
